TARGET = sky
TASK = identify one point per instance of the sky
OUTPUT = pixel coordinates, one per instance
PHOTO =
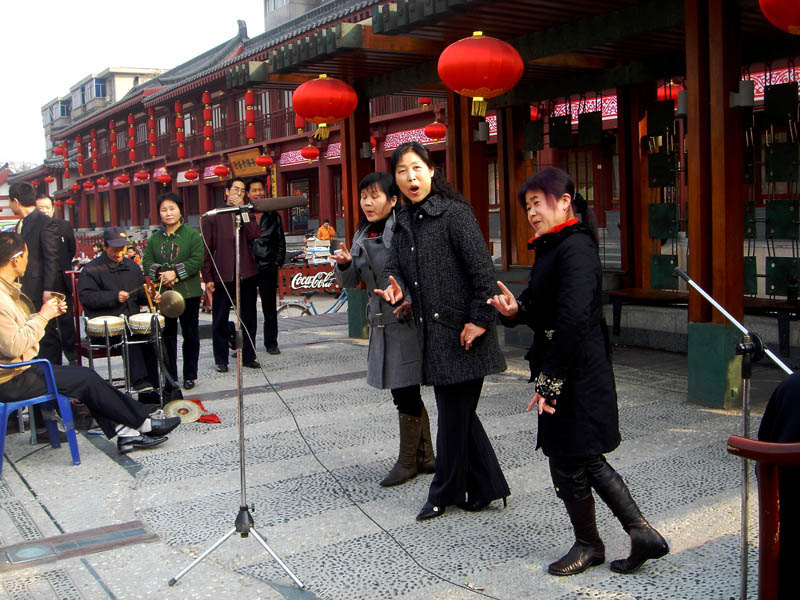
(49, 45)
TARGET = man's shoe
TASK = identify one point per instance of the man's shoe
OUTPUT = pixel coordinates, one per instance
(161, 427)
(273, 349)
(253, 364)
(430, 511)
(142, 386)
(221, 368)
(188, 384)
(138, 442)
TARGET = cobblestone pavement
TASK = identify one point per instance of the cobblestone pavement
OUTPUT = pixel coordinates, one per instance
(315, 452)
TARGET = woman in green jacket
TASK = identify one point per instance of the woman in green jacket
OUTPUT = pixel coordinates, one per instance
(173, 256)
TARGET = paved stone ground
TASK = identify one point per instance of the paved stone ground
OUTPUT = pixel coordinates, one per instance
(315, 453)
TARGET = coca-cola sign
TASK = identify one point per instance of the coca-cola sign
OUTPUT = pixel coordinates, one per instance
(318, 281)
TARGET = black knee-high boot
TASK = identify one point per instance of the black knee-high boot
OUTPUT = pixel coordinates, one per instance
(646, 542)
(588, 550)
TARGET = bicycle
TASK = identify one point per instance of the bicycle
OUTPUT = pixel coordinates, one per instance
(306, 307)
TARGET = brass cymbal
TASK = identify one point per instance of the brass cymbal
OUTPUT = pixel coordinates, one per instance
(172, 304)
(187, 410)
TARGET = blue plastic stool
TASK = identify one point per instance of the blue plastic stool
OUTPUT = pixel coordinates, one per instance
(52, 396)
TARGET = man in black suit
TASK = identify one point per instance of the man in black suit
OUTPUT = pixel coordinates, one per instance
(41, 236)
(66, 252)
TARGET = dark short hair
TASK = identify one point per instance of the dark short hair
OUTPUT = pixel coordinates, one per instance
(229, 184)
(10, 244)
(24, 192)
(379, 181)
(439, 184)
(253, 180)
(170, 196)
(43, 197)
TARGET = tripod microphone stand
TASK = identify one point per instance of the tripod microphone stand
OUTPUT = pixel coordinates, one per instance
(243, 525)
(751, 348)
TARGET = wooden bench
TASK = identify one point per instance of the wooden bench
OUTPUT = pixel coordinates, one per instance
(784, 312)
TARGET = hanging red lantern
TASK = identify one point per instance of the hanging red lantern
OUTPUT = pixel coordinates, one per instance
(324, 101)
(250, 116)
(181, 152)
(191, 175)
(783, 14)
(373, 142)
(250, 133)
(102, 181)
(299, 123)
(180, 137)
(123, 179)
(425, 102)
(221, 171)
(142, 175)
(310, 153)
(70, 202)
(75, 187)
(264, 161)
(208, 146)
(208, 129)
(58, 150)
(535, 114)
(480, 67)
(164, 179)
(435, 131)
(130, 119)
(206, 97)
(58, 203)
(49, 179)
(35, 183)
(88, 185)
(669, 91)
(79, 155)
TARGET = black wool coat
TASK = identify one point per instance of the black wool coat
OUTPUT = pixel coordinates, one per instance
(562, 304)
(441, 261)
(100, 282)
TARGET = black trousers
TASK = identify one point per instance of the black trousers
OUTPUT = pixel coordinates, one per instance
(190, 329)
(220, 316)
(408, 400)
(107, 405)
(141, 357)
(66, 330)
(575, 476)
(466, 465)
(50, 344)
(267, 288)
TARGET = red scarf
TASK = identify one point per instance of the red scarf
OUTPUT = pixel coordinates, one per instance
(556, 228)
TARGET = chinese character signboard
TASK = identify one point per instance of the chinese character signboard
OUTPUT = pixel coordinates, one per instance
(244, 163)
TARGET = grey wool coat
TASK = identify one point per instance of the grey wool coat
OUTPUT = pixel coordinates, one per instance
(441, 261)
(393, 359)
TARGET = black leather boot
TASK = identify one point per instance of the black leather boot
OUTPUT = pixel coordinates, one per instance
(646, 542)
(425, 459)
(588, 549)
(406, 466)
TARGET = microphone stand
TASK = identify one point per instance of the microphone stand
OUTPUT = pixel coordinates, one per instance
(750, 349)
(243, 525)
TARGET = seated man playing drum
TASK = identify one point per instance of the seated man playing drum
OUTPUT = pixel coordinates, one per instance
(21, 328)
(112, 285)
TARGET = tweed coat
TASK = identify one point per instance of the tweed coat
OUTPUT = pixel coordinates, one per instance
(441, 261)
(570, 358)
(393, 359)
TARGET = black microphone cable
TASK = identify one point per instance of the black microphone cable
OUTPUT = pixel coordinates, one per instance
(299, 429)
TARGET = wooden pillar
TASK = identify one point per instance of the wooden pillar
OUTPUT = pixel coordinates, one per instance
(133, 204)
(153, 191)
(113, 208)
(512, 172)
(699, 151)
(454, 173)
(83, 209)
(356, 129)
(474, 170)
(203, 204)
(326, 193)
(98, 208)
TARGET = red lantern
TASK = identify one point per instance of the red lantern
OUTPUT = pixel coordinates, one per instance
(669, 91)
(191, 175)
(88, 185)
(250, 133)
(49, 179)
(58, 203)
(181, 152)
(535, 114)
(58, 150)
(35, 183)
(206, 97)
(123, 179)
(264, 161)
(142, 175)
(299, 123)
(784, 14)
(373, 142)
(130, 119)
(114, 162)
(132, 155)
(207, 114)
(208, 146)
(70, 202)
(208, 129)
(310, 152)
(221, 171)
(75, 187)
(425, 102)
(480, 67)
(180, 137)
(102, 181)
(323, 101)
(164, 179)
(435, 131)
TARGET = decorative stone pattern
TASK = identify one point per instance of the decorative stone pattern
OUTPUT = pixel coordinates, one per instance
(29, 587)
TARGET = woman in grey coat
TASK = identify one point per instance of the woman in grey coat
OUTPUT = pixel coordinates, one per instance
(393, 360)
(440, 262)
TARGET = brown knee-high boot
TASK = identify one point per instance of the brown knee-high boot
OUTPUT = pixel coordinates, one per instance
(588, 549)
(406, 466)
(425, 460)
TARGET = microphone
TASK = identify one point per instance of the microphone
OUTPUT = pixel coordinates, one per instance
(262, 205)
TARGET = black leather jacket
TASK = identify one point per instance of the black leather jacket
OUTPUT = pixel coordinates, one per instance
(270, 247)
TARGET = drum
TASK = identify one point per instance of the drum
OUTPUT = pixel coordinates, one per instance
(96, 327)
(140, 324)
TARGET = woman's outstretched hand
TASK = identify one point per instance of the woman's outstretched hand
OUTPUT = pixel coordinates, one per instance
(393, 292)
(342, 256)
(470, 333)
(543, 406)
(505, 303)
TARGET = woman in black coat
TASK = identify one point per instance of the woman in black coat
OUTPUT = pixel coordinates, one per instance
(571, 367)
(439, 261)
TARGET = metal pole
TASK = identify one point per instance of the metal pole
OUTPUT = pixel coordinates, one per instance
(239, 395)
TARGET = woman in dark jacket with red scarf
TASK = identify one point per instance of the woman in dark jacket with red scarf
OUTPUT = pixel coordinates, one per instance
(570, 364)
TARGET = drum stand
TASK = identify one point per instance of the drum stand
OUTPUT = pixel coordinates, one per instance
(154, 338)
(243, 525)
(750, 349)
